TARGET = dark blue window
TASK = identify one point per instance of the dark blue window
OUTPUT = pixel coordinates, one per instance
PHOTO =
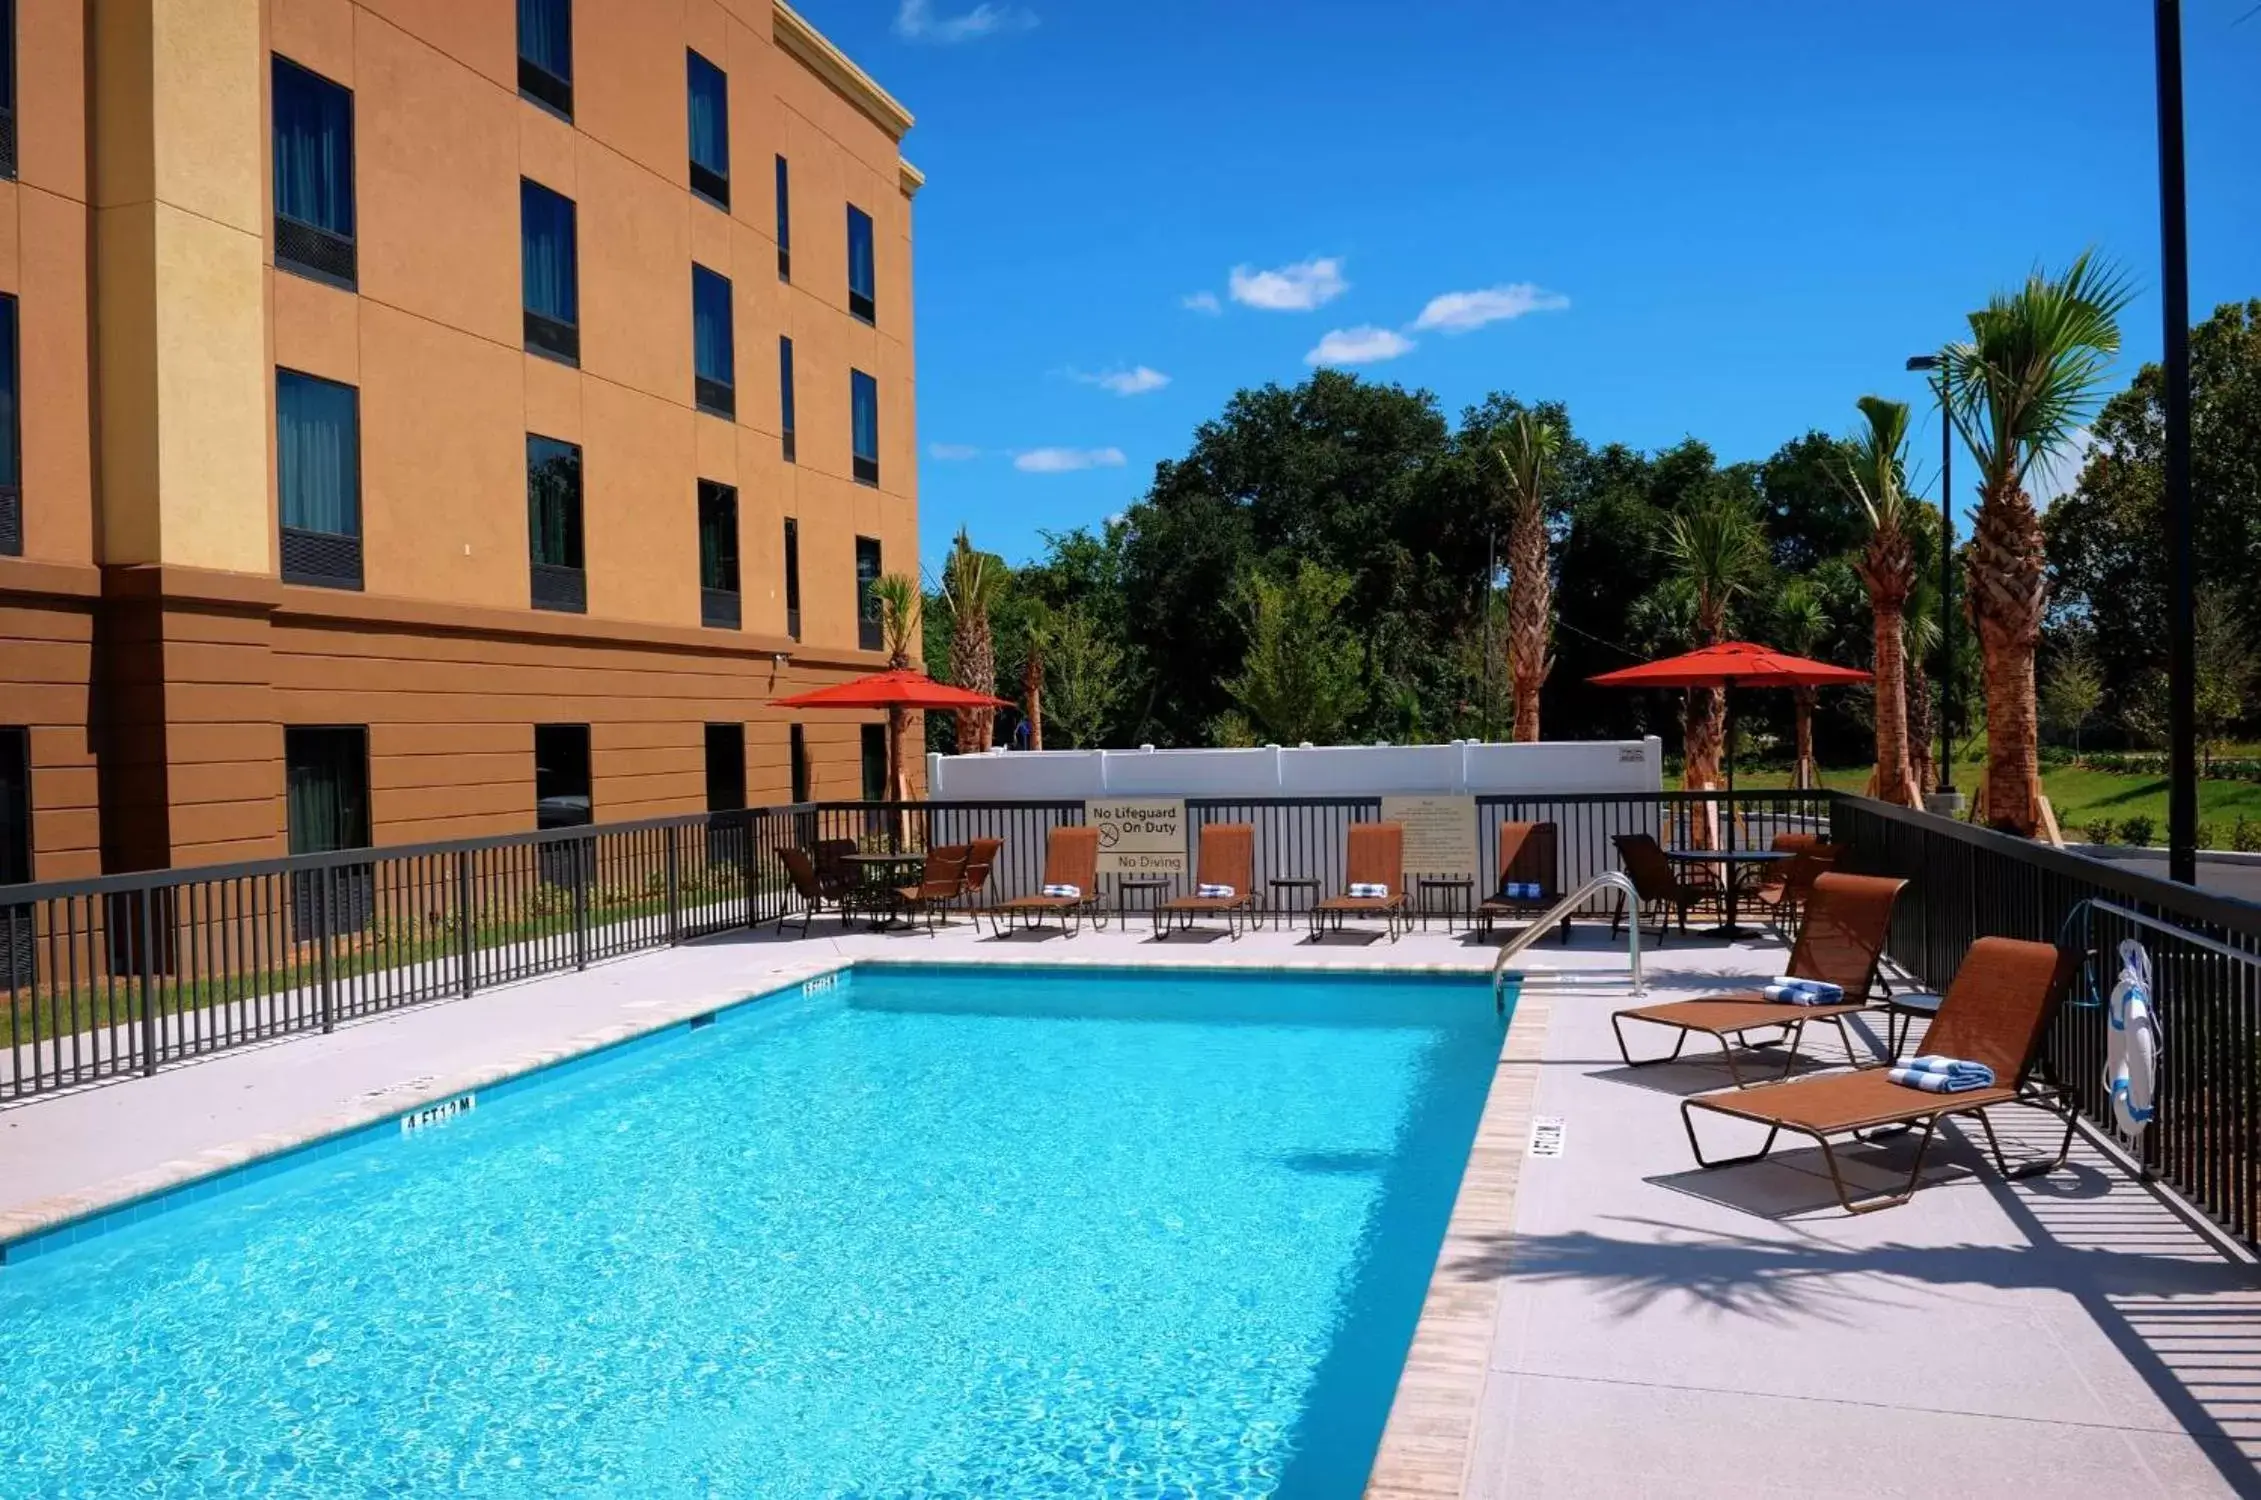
(545, 53)
(553, 525)
(863, 392)
(712, 357)
(549, 262)
(784, 222)
(861, 276)
(318, 474)
(785, 392)
(11, 441)
(710, 131)
(8, 88)
(313, 151)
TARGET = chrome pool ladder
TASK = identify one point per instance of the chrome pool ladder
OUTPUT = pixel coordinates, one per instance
(1606, 881)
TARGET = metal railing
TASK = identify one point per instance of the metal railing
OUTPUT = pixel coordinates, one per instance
(1611, 880)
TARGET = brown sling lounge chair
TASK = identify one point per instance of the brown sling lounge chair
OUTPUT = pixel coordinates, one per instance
(1071, 857)
(1228, 857)
(940, 881)
(1839, 943)
(1782, 891)
(1528, 855)
(1996, 1012)
(981, 858)
(815, 896)
(1375, 855)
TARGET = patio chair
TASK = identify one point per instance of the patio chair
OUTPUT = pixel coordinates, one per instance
(1996, 1012)
(1840, 942)
(1784, 887)
(1227, 858)
(941, 881)
(1659, 885)
(1374, 855)
(809, 887)
(1529, 854)
(981, 858)
(1071, 858)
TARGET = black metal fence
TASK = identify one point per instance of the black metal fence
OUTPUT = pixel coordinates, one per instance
(1967, 882)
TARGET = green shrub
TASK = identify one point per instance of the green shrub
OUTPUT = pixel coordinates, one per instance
(2246, 835)
(2205, 835)
(2098, 832)
(2136, 830)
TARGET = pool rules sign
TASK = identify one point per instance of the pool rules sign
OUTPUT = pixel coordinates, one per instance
(1139, 835)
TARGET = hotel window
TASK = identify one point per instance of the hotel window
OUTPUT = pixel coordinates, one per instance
(561, 776)
(726, 767)
(860, 274)
(710, 131)
(549, 265)
(313, 151)
(793, 578)
(784, 223)
(785, 394)
(863, 397)
(326, 785)
(18, 950)
(875, 762)
(553, 525)
(713, 359)
(545, 53)
(718, 555)
(8, 88)
(871, 633)
(797, 752)
(318, 472)
(11, 438)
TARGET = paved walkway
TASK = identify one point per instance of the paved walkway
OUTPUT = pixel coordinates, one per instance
(1658, 1329)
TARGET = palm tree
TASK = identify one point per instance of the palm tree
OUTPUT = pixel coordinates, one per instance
(1876, 475)
(1801, 622)
(1037, 639)
(899, 600)
(1920, 626)
(2021, 388)
(1526, 449)
(1718, 550)
(971, 582)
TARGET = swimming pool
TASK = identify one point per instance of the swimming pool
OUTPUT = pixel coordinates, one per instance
(922, 1231)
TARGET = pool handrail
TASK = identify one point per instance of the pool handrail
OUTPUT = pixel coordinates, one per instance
(1607, 880)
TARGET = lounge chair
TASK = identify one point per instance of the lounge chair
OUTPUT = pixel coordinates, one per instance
(1783, 889)
(1227, 858)
(1659, 885)
(940, 882)
(1375, 855)
(816, 898)
(1996, 1012)
(1071, 858)
(1839, 942)
(981, 858)
(1529, 854)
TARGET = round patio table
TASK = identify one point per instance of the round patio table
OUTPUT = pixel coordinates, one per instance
(1733, 863)
(880, 875)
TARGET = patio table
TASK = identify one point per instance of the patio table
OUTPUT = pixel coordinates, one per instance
(1733, 864)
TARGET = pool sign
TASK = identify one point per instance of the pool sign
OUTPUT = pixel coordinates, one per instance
(1139, 835)
(1440, 833)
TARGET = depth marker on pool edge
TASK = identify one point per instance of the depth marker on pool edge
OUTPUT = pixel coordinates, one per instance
(1548, 1136)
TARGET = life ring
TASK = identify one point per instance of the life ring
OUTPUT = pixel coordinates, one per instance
(2133, 1046)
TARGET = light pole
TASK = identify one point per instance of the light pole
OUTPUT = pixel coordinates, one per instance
(1946, 788)
(2174, 299)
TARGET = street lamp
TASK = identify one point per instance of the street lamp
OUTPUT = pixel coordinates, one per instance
(1946, 789)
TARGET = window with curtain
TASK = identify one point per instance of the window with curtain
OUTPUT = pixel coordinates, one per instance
(553, 523)
(549, 264)
(863, 398)
(718, 554)
(784, 223)
(710, 130)
(326, 807)
(870, 628)
(318, 475)
(726, 767)
(785, 393)
(545, 53)
(313, 155)
(562, 784)
(713, 358)
(862, 276)
(793, 579)
(11, 437)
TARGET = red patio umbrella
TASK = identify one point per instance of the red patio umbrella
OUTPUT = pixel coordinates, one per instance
(898, 688)
(1726, 666)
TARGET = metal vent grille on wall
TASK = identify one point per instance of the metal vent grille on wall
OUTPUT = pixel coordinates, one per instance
(549, 336)
(321, 558)
(708, 183)
(8, 143)
(11, 521)
(317, 252)
(561, 588)
(719, 607)
(541, 85)
(715, 397)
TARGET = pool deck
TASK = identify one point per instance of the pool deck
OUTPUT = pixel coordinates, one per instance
(1609, 1321)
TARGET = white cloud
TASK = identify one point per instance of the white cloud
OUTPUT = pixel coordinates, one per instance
(1296, 288)
(1067, 460)
(916, 22)
(951, 453)
(1457, 312)
(1201, 302)
(1359, 346)
(1136, 381)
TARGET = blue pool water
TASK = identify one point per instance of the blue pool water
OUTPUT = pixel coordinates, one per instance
(928, 1233)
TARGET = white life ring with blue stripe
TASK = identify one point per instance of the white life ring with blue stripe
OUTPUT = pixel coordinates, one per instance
(2133, 1046)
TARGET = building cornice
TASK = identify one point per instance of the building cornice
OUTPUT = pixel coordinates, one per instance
(829, 63)
(911, 177)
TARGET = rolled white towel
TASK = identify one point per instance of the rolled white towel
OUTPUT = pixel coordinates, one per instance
(1785, 990)
(1368, 890)
(1943, 1075)
(1522, 890)
(1218, 892)
(1072, 892)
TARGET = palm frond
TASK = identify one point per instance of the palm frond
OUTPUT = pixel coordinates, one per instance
(1526, 448)
(1876, 476)
(2033, 369)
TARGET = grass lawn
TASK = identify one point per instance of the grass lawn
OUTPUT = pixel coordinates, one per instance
(2080, 797)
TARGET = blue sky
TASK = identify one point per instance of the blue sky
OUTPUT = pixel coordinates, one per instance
(1722, 219)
